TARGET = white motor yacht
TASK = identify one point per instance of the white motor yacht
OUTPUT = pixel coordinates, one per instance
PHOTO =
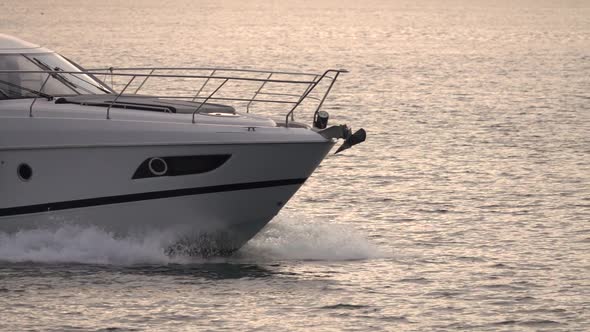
(172, 149)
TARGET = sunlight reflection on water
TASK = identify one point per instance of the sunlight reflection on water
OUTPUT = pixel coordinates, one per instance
(467, 207)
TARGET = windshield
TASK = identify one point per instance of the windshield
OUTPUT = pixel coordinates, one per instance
(28, 85)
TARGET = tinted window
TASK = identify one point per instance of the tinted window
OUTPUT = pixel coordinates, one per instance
(26, 85)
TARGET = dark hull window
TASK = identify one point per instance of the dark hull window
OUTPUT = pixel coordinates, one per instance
(179, 165)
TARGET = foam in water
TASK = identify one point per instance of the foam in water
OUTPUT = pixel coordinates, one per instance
(286, 238)
(81, 244)
(290, 237)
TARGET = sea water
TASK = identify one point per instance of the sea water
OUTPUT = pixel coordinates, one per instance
(467, 208)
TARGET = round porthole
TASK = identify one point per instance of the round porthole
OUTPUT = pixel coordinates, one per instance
(25, 172)
(158, 166)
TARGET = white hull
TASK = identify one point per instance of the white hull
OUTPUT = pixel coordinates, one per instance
(227, 220)
(95, 187)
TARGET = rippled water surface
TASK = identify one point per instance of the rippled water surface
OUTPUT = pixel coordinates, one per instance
(468, 208)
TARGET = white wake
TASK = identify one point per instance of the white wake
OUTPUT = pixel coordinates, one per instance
(285, 238)
(77, 244)
(291, 237)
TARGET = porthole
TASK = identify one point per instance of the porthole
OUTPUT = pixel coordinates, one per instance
(158, 166)
(25, 172)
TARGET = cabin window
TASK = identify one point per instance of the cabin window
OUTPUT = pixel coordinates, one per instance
(30, 84)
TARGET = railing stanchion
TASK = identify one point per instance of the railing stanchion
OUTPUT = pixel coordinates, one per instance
(144, 80)
(326, 94)
(208, 97)
(35, 99)
(117, 97)
(257, 92)
(203, 86)
(112, 84)
(310, 89)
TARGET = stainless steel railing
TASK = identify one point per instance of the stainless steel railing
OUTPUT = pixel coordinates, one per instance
(278, 87)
